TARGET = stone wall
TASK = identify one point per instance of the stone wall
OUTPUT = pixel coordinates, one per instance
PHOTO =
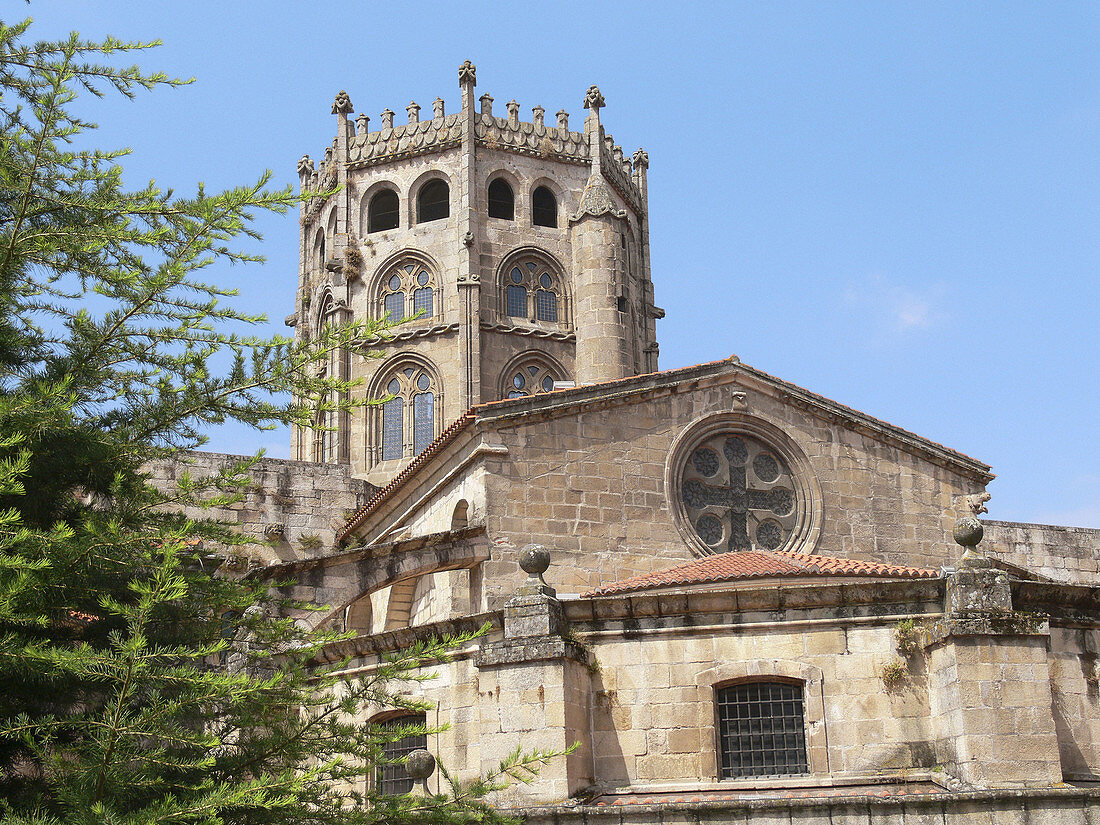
(292, 508)
(589, 482)
(1066, 554)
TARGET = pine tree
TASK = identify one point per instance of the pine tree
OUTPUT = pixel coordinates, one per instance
(114, 705)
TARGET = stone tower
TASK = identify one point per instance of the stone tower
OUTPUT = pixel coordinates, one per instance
(519, 250)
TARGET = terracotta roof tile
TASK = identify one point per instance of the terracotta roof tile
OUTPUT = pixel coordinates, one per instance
(757, 564)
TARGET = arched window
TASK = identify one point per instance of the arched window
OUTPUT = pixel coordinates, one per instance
(326, 437)
(544, 207)
(404, 734)
(761, 729)
(533, 291)
(406, 290)
(434, 201)
(382, 213)
(408, 419)
(319, 250)
(531, 376)
(502, 203)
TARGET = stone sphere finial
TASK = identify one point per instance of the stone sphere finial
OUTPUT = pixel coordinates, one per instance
(419, 765)
(968, 532)
(534, 560)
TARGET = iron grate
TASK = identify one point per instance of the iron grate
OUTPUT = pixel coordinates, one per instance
(761, 730)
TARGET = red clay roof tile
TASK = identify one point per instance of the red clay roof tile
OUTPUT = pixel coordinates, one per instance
(757, 564)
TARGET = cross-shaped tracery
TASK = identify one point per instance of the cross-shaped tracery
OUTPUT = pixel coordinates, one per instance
(738, 494)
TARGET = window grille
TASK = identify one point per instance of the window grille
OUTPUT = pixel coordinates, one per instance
(517, 301)
(423, 421)
(383, 211)
(544, 208)
(393, 413)
(502, 202)
(546, 305)
(422, 300)
(761, 730)
(391, 778)
(395, 306)
(433, 203)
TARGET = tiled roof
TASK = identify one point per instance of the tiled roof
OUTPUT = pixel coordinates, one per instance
(758, 564)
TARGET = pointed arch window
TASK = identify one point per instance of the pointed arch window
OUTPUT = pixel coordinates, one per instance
(383, 211)
(502, 202)
(406, 290)
(533, 291)
(544, 207)
(434, 201)
(408, 418)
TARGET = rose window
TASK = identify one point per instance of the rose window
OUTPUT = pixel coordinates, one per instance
(738, 494)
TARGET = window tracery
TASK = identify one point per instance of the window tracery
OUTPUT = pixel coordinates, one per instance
(408, 417)
(409, 288)
(532, 290)
(529, 378)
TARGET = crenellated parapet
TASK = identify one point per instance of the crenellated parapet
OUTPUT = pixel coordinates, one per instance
(442, 132)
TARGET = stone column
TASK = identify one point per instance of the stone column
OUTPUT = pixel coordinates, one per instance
(469, 227)
(989, 681)
(535, 690)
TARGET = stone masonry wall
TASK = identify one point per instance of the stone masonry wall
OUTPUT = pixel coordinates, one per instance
(307, 501)
(1066, 554)
(590, 485)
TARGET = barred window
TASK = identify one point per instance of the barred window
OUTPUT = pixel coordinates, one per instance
(544, 207)
(761, 730)
(407, 422)
(433, 202)
(390, 778)
(407, 289)
(502, 203)
(533, 291)
(383, 211)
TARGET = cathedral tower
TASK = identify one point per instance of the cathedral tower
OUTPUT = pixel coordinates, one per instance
(519, 250)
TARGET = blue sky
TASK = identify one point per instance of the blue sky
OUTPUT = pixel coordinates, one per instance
(893, 205)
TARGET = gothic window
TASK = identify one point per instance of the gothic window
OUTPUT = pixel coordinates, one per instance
(325, 433)
(739, 494)
(434, 201)
(408, 419)
(761, 729)
(544, 207)
(533, 291)
(383, 211)
(408, 289)
(531, 377)
(390, 777)
(502, 203)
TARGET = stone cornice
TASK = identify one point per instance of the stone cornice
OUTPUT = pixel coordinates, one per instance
(534, 332)
(408, 335)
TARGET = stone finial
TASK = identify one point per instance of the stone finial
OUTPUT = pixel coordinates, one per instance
(305, 166)
(437, 108)
(467, 73)
(534, 560)
(513, 112)
(640, 159)
(414, 111)
(617, 153)
(342, 104)
(593, 99)
(419, 765)
(387, 119)
(361, 124)
(486, 104)
(609, 143)
(328, 155)
(563, 120)
(538, 115)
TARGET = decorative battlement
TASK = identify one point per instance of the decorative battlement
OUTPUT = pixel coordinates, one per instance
(366, 148)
